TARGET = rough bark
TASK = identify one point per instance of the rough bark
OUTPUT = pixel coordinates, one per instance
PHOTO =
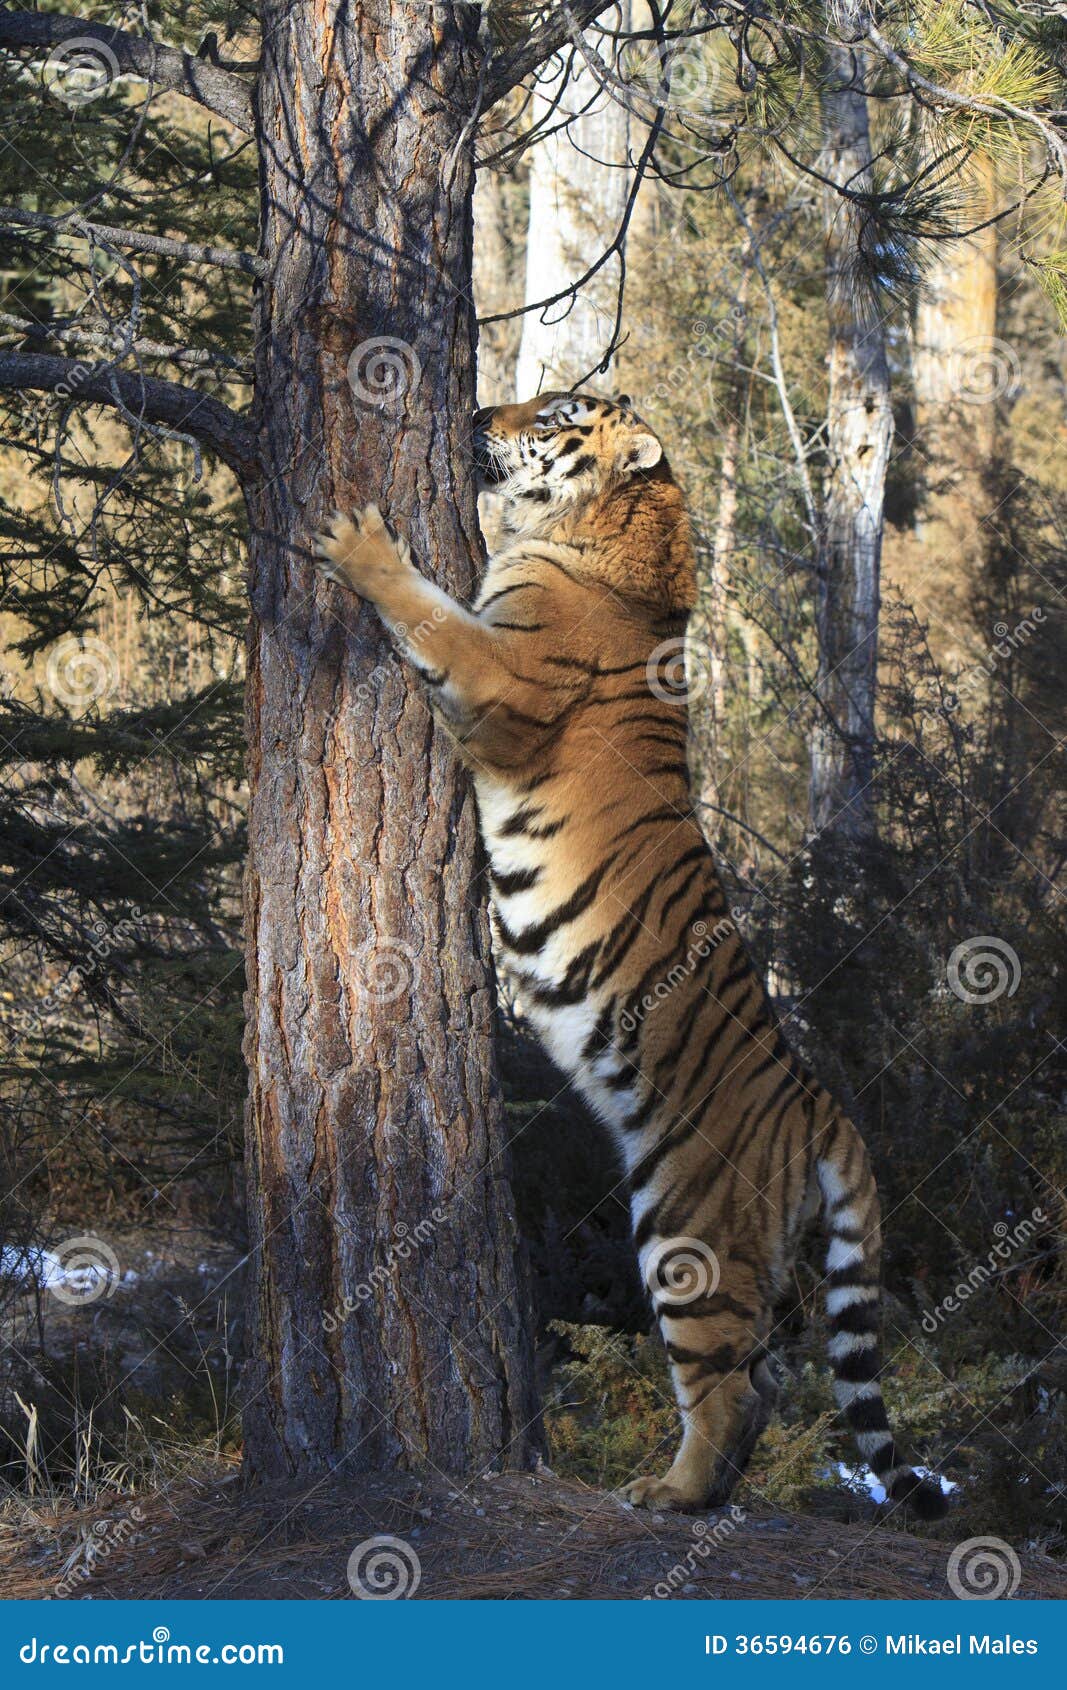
(859, 433)
(374, 1127)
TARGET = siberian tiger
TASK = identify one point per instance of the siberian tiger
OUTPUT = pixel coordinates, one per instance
(561, 687)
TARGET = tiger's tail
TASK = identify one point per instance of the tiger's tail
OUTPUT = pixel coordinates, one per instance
(853, 1301)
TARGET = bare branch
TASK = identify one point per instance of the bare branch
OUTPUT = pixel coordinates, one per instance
(164, 403)
(136, 240)
(109, 340)
(166, 68)
(506, 70)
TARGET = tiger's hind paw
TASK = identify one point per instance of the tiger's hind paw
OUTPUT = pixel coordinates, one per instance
(660, 1493)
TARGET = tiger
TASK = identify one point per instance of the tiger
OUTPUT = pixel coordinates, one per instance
(562, 689)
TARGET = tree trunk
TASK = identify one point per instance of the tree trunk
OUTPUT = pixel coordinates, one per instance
(959, 371)
(578, 190)
(859, 436)
(499, 237)
(387, 1325)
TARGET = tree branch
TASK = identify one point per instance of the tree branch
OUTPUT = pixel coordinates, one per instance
(135, 240)
(81, 334)
(166, 68)
(165, 403)
(506, 70)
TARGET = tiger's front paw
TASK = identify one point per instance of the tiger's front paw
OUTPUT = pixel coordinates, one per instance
(660, 1493)
(359, 552)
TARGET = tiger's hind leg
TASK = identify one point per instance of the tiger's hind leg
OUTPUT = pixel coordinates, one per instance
(760, 1409)
(709, 1344)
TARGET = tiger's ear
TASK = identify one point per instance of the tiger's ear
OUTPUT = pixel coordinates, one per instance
(641, 451)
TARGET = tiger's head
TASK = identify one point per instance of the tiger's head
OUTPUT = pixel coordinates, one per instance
(589, 471)
(559, 450)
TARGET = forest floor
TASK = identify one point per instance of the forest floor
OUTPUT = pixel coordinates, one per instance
(512, 1537)
(147, 1506)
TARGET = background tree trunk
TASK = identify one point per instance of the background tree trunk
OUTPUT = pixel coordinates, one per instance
(578, 189)
(959, 371)
(859, 435)
(375, 1144)
(499, 260)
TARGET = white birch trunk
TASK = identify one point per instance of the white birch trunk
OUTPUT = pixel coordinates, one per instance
(859, 437)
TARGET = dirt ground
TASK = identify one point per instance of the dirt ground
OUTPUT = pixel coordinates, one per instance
(512, 1537)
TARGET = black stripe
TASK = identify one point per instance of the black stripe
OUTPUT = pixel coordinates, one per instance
(600, 1038)
(532, 938)
(885, 1457)
(584, 461)
(859, 1367)
(571, 989)
(502, 593)
(868, 1414)
(857, 1317)
(517, 823)
(514, 880)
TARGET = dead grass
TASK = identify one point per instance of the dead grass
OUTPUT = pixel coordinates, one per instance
(512, 1537)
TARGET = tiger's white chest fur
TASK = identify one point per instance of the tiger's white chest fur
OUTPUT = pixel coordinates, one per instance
(565, 1029)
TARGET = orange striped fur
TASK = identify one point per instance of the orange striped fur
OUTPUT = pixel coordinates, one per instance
(559, 688)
